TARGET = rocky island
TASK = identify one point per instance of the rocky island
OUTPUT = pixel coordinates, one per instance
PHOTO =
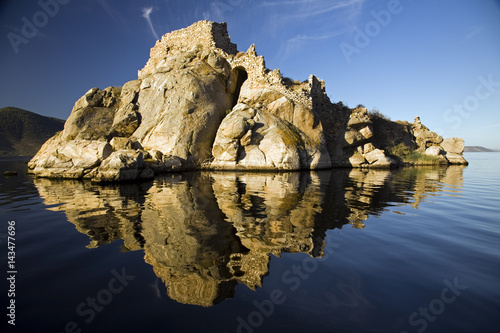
(200, 104)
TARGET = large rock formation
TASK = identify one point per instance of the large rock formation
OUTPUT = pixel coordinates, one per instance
(200, 104)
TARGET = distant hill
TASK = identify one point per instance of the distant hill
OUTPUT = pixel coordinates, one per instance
(22, 132)
(477, 149)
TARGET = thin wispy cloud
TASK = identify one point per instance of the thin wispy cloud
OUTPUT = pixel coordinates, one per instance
(217, 10)
(473, 31)
(214, 14)
(331, 19)
(281, 3)
(298, 42)
(311, 8)
(354, 5)
(112, 12)
(146, 13)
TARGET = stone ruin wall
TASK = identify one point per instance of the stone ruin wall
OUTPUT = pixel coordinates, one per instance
(212, 35)
(205, 33)
(259, 75)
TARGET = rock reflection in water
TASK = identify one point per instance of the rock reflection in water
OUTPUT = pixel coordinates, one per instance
(204, 233)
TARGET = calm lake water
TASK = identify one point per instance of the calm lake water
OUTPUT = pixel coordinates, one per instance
(409, 250)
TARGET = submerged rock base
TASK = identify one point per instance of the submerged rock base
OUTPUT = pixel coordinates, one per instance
(200, 104)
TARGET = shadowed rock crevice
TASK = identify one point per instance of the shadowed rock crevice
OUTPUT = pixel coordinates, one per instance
(241, 76)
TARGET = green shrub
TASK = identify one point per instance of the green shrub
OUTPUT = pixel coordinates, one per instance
(400, 150)
(407, 155)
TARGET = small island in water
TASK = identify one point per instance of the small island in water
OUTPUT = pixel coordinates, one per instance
(200, 104)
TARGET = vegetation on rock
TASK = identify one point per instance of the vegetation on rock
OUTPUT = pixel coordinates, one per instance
(413, 157)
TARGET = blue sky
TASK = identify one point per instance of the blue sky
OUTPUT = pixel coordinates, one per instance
(438, 59)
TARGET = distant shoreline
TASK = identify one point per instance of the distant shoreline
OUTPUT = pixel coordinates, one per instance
(479, 149)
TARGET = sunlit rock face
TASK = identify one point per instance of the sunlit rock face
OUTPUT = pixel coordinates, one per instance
(251, 138)
(203, 233)
(185, 111)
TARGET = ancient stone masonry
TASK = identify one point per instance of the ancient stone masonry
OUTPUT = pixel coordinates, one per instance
(202, 34)
(198, 103)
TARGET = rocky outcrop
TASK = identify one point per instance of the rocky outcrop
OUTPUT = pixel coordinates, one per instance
(357, 148)
(449, 150)
(69, 158)
(200, 104)
(167, 119)
(251, 138)
(424, 137)
(453, 149)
